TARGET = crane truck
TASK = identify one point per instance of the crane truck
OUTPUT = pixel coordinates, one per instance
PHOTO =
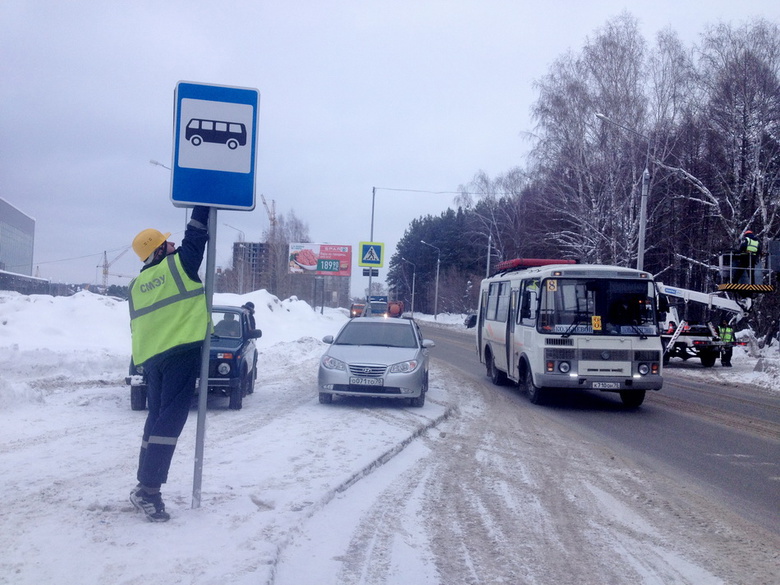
(683, 339)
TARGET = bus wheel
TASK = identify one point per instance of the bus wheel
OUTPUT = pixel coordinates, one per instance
(496, 376)
(632, 398)
(535, 394)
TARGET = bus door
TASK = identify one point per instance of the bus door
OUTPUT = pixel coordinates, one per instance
(500, 343)
(527, 314)
(481, 324)
(511, 340)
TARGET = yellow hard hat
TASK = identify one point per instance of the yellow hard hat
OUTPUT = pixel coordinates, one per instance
(147, 241)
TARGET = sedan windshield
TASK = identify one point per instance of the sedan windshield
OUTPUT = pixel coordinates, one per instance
(381, 333)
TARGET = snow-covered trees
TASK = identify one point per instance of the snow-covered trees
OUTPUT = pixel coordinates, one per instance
(704, 120)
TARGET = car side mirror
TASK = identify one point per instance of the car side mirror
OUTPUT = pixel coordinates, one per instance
(256, 334)
(328, 339)
(428, 343)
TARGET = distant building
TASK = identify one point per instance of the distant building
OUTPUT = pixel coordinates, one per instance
(251, 265)
(254, 268)
(17, 235)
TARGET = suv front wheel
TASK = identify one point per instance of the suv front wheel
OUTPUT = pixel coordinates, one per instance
(138, 397)
(239, 390)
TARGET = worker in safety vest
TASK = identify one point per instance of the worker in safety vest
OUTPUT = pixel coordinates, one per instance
(749, 251)
(169, 321)
(726, 334)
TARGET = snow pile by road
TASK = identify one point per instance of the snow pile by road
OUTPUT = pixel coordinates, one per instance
(69, 445)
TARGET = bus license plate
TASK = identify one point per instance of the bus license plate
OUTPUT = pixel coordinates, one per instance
(606, 385)
(366, 381)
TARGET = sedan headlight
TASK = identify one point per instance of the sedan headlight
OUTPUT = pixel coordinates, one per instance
(332, 363)
(404, 367)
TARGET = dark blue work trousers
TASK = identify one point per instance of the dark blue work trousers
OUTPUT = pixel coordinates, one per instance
(170, 383)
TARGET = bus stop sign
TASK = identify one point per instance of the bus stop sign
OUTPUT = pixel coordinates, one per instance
(214, 146)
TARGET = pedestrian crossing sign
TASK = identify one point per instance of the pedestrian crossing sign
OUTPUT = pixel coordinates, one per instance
(371, 254)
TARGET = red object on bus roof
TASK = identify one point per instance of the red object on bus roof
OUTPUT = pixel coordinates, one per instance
(529, 263)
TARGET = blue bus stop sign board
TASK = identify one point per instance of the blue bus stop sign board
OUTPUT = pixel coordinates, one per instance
(214, 146)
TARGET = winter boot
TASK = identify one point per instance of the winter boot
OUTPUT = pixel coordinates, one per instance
(150, 504)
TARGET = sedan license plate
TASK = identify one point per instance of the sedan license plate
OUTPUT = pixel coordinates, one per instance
(606, 385)
(366, 381)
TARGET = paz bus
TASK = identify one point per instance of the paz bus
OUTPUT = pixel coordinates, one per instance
(554, 324)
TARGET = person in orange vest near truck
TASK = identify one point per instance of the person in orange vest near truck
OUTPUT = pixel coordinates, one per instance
(169, 322)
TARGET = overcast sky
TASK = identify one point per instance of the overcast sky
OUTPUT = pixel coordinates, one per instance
(401, 94)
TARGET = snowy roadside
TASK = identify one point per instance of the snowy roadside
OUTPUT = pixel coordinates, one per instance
(69, 442)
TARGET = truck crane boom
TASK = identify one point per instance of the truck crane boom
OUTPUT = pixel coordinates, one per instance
(712, 300)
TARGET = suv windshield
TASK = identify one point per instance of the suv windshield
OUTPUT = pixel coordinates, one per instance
(226, 324)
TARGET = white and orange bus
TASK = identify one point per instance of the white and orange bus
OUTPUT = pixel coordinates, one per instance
(555, 324)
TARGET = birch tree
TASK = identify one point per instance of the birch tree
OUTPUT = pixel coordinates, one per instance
(589, 173)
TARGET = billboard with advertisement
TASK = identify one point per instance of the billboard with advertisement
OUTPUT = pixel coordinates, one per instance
(320, 259)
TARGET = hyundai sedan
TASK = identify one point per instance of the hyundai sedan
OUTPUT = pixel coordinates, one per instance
(376, 357)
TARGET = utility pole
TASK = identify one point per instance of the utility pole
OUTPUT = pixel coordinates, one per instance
(436, 294)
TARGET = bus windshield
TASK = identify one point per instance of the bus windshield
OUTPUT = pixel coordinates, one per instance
(591, 306)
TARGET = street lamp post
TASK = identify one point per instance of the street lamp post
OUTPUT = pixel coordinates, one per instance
(640, 253)
(414, 276)
(370, 270)
(436, 294)
(487, 260)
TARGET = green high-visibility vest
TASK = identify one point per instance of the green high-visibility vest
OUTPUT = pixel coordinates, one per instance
(167, 309)
(751, 245)
(726, 334)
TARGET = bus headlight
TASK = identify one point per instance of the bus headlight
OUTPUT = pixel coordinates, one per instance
(643, 369)
(564, 367)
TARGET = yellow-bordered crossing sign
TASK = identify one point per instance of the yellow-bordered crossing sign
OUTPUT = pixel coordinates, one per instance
(371, 254)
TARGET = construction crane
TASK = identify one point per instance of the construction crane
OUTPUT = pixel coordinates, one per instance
(271, 211)
(107, 265)
(271, 243)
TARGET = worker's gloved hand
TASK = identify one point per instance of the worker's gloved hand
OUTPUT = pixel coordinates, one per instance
(200, 214)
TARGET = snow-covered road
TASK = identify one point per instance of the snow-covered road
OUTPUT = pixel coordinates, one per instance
(499, 494)
(468, 489)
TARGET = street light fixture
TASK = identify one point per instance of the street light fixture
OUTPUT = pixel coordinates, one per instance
(414, 277)
(436, 295)
(159, 164)
(640, 253)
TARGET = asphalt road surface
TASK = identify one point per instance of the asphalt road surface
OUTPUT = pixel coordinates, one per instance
(723, 438)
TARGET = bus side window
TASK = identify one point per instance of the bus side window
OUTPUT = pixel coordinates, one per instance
(502, 310)
(492, 302)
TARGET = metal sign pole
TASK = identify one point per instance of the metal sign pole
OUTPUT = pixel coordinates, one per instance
(367, 309)
(203, 385)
